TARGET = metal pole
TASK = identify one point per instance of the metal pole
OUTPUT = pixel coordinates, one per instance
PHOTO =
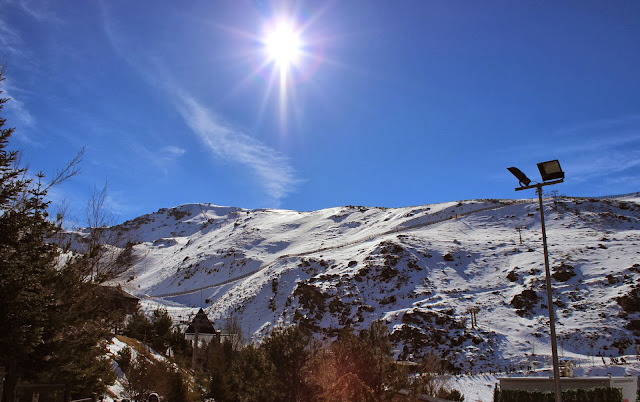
(552, 319)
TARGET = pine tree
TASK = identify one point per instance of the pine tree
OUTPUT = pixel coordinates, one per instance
(26, 261)
(139, 327)
(217, 366)
(54, 323)
(255, 377)
(366, 357)
(162, 324)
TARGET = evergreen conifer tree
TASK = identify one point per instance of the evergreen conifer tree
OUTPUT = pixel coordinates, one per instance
(54, 323)
(27, 262)
(289, 350)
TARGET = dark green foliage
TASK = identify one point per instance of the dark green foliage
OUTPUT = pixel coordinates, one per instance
(177, 387)
(275, 370)
(180, 347)
(311, 298)
(145, 375)
(600, 394)
(158, 332)
(451, 395)
(349, 388)
(289, 351)
(25, 260)
(123, 358)
(126, 257)
(74, 341)
(360, 366)
(162, 326)
(289, 366)
(254, 377)
(139, 327)
(218, 366)
(54, 322)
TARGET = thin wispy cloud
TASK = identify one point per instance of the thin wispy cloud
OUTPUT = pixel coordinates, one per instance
(18, 113)
(157, 162)
(602, 148)
(606, 164)
(17, 110)
(272, 169)
(171, 152)
(39, 10)
(9, 39)
(163, 159)
(604, 154)
(601, 134)
(13, 50)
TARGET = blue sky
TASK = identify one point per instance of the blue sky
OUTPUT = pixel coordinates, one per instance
(387, 104)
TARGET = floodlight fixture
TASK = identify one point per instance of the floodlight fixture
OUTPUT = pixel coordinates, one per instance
(522, 178)
(550, 170)
(551, 173)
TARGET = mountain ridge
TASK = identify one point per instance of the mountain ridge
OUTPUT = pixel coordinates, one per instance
(422, 269)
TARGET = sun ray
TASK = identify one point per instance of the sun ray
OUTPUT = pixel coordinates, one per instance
(267, 94)
(282, 43)
(284, 58)
(283, 99)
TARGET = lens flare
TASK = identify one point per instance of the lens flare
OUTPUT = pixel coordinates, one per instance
(283, 44)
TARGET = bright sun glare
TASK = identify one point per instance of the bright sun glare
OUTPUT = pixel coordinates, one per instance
(283, 44)
(286, 58)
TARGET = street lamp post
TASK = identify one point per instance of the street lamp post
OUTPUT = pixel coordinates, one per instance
(551, 173)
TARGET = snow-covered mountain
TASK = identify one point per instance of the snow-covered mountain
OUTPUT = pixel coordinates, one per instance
(422, 269)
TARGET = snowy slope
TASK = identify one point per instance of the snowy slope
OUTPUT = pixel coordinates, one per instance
(422, 269)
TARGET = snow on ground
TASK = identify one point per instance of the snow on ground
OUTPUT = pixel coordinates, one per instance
(479, 387)
(422, 269)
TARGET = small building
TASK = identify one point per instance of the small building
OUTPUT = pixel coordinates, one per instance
(119, 298)
(629, 385)
(201, 330)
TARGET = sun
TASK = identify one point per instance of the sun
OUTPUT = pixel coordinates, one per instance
(288, 55)
(283, 44)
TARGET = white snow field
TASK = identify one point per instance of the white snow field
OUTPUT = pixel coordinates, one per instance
(421, 269)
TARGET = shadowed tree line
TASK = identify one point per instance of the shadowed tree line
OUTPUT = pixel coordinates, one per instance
(288, 365)
(55, 319)
(56, 316)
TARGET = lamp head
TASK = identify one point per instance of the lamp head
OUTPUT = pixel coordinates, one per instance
(550, 170)
(522, 178)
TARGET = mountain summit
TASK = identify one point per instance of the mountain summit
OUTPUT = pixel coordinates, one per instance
(463, 280)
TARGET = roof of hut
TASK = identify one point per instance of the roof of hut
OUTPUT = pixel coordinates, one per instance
(202, 322)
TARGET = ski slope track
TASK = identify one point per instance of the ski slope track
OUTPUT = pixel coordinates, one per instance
(421, 269)
(311, 252)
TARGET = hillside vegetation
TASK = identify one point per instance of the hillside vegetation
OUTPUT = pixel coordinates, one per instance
(452, 279)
